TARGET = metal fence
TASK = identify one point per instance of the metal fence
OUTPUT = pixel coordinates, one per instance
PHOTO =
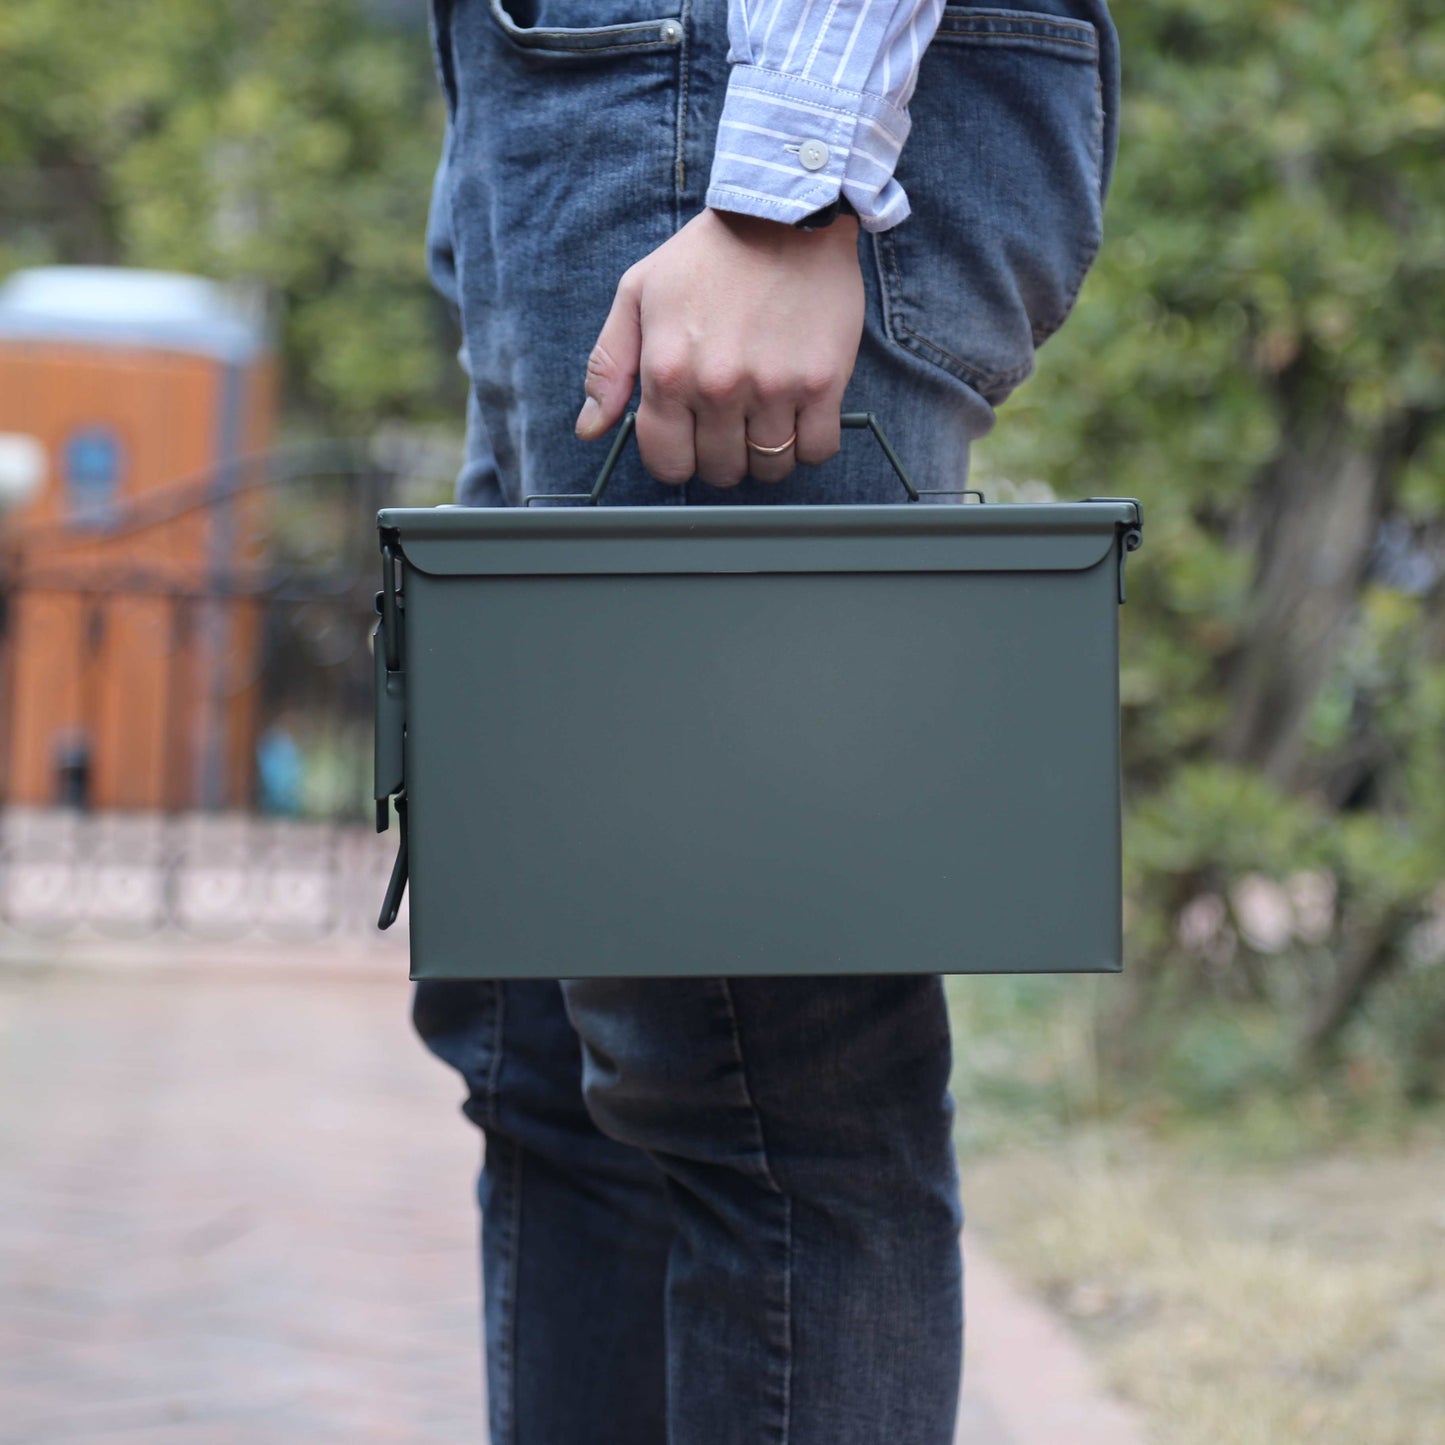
(201, 760)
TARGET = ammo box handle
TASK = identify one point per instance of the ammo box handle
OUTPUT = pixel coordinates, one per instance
(851, 419)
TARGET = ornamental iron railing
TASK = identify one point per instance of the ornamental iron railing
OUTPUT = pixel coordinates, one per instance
(185, 708)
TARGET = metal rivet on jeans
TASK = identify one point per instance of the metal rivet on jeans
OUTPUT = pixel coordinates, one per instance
(671, 31)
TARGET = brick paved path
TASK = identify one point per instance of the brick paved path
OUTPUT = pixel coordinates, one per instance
(236, 1209)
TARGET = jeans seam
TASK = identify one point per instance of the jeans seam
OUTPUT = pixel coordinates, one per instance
(1088, 248)
(506, 1346)
(632, 47)
(684, 67)
(903, 335)
(981, 382)
(1018, 38)
(582, 40)
(771, 1179)
(1015, 25)
(787, 1430)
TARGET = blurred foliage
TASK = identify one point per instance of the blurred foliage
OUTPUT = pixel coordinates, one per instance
(1259, 356)
(288, 145)
(1032, 1070)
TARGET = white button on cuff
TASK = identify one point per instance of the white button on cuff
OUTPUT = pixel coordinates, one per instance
(671, 31)
(813, 154)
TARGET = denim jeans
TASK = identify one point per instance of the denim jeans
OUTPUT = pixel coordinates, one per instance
(725, 1212)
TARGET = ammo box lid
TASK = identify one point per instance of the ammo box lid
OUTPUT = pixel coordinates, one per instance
(903, 537)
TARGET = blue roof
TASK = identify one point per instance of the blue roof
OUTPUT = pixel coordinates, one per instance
(113, 306)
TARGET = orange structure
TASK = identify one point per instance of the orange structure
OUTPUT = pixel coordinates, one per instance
(132, 634)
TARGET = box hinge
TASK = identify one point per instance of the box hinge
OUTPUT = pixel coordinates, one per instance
(1130, 534)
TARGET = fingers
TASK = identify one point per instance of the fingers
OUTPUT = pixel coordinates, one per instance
(820, 429)
(680, 437)
(771, 425)
(813, 419)
(612, 366)
(722, 453)
(666, 438)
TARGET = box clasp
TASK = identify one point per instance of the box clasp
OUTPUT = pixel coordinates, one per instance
(389, 758)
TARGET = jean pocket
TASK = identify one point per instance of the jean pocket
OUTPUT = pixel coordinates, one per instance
(1004, 173)
(541, 28)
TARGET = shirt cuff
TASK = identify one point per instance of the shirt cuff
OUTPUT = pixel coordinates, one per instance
(787, 146)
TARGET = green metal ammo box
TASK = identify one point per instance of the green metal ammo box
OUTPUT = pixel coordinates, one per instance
(662, 741)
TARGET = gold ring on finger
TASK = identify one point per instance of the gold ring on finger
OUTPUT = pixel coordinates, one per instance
(770, 451)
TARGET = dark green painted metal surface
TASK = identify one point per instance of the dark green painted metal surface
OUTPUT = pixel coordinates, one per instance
(781, 740)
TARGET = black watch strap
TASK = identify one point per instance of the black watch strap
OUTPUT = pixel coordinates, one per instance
(841, 207)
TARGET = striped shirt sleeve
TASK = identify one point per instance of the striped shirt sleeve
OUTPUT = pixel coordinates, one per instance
(817, 104)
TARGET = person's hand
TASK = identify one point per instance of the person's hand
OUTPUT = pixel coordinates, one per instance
(741, 328)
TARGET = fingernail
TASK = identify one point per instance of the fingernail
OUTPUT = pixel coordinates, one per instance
(588, 417)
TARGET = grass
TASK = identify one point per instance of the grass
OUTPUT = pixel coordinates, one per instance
(1251, 1261)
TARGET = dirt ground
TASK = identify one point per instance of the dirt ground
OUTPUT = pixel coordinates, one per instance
(1239, 1304)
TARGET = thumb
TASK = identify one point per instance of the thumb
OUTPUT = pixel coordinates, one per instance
(612, 366)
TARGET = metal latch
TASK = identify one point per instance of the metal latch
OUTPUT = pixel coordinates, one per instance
(390, 723)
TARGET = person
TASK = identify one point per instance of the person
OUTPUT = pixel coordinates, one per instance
(725, 1211)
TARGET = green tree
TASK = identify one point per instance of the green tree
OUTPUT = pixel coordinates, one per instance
(1260, 356)
(282, 144)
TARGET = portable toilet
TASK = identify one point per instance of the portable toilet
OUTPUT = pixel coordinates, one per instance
(132, 627)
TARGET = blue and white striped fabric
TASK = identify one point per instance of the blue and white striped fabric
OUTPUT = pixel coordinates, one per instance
(817, 102)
